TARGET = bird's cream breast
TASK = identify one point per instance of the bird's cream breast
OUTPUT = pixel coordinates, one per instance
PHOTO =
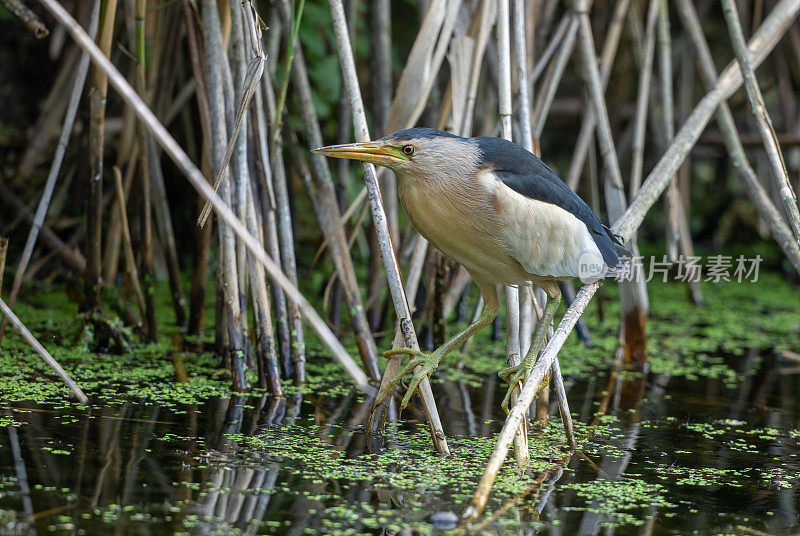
(460, 219)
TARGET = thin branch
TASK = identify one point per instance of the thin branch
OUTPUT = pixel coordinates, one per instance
(643, 97)
(28, 336)
(763, 120)
(28, 17)
(252, 78)
(545, 96)
(127, 248)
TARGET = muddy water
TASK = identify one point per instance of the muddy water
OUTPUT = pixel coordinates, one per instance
(669, 455)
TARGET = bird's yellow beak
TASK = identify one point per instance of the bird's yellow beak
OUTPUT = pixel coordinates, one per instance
(377, 152)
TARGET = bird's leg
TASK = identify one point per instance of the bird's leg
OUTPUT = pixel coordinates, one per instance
(429, 362)
(518, 373)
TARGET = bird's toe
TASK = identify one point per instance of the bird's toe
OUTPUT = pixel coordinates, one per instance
(401, 351)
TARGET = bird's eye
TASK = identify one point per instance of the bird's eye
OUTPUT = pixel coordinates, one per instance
(408, 150)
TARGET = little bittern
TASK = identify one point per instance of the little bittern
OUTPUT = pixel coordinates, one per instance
(500, 212)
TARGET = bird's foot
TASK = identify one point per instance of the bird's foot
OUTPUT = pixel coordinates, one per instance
(516, 375)
(428, 362)
(512, 376)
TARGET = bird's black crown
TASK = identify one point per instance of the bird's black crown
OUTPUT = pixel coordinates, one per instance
(419, 133)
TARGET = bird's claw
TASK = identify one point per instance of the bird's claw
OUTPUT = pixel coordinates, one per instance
(512, 376)
(428, 362)
(517, 374)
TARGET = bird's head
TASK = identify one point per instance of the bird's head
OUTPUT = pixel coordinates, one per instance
(414, 152)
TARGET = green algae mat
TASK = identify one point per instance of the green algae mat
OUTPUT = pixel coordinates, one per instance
(708, 442)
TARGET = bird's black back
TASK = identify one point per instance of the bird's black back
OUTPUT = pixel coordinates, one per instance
(526, 174)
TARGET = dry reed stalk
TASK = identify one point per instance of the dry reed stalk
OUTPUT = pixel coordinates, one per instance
(643, 97)
(513, 357)
(422, 64)
(529, 389)
(113, 235)
(589, 122)
(552, 45)
(199, 182)
(460, 60)
(527, 320)
(94, 214)
(127, 248)
(296, 355)
(545, 97)
(236, 90)
(520, 53)
(291, 347)
(522, 43)
(381, 36)
(379, 219)
(678, 233)
(642, 100)
(166, 233)
(215, 73)
(684, 103)
(633, 293)
(762, 42)
(328, 211)
(143, 174)
(668, 127)
(44, 354)
(203, 235)
(458, 287)
(263, 184)
(248, 79)
(269, 372)
(163, 27)
(55, 166)
(486, 13)
(292, 22)
(759, 110)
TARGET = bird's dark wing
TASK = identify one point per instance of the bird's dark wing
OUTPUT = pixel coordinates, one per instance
(526, 174)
